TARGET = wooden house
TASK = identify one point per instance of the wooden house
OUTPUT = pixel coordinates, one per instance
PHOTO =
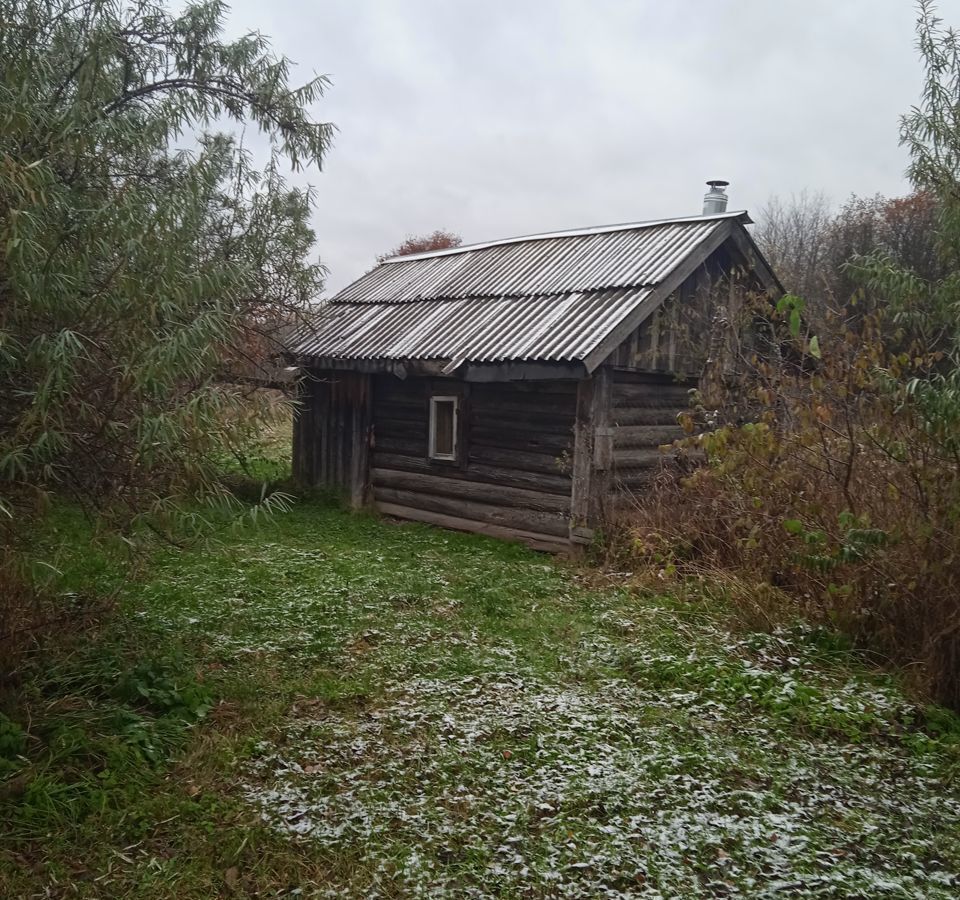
(515, 387)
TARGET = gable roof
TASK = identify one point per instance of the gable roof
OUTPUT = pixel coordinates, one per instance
(560, 297)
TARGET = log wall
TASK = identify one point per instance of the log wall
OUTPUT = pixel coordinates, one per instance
(644, 410)
(513, 476)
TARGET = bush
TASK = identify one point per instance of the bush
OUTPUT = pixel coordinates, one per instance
(840, 497)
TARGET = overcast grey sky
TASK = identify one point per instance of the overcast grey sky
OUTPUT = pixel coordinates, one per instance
(507, 117)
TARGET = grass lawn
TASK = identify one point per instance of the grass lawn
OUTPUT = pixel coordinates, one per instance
(331, 705)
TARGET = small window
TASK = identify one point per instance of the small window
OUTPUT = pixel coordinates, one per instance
(443, 427)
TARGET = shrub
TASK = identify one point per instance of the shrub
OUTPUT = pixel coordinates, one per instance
(840, 493)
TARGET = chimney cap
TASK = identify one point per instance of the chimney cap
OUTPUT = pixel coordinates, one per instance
(715, 200)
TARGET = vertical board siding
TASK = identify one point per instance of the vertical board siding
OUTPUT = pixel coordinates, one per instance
(331, 432)
(513, 477)
(675, 339)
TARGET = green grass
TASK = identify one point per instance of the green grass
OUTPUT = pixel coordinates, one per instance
(350, 707)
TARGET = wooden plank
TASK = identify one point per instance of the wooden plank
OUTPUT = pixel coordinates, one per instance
(582, 456)
(384, 460)
(537, 541)
(634, 481)
(504, 516)
(600, 419)
(581, 535)
(411, 435)
(297, 456)
(532, 392)
(603, 441)
(528, 416)
(602, 444)
(654, 327)
(391, 389)
(361, 436)
(495, 494)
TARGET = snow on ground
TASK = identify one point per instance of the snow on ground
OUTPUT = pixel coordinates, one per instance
(510, 784)
(481, 724)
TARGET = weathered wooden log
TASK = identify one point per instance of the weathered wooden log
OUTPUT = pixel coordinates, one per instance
(646, 395)
(393, 390)
(401, 401)
(637, 459)
(548, 543)
(399, 421)
(527, 390)
(625, 437)
(651, 415)
(504, 516)
(494, 420)
(524, 412)
(551, 483)
(519, 459)
(414, 445)
(540, 442)
(535, 481)
(495, 494)
(621, 376)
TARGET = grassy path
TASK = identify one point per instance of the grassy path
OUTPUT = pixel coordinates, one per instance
(399, 711)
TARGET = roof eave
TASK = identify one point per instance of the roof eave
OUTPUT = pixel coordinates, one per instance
(466, 370)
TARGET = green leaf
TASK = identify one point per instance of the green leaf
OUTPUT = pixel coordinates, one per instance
(793, 526)
(795, 322)
(814, 348)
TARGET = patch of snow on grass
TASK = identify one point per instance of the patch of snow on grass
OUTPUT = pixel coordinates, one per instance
(486, 786)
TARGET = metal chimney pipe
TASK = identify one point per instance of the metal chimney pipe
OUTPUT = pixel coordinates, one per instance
(715, 200)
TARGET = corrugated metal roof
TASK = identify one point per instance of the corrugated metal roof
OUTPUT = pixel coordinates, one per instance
(551, 297)
(578, 261)
(549, 327)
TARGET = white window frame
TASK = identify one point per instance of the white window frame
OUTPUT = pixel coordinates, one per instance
(444, 398)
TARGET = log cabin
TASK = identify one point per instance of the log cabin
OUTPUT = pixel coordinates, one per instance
(518, 387)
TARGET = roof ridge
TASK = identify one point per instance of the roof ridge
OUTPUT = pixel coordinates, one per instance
(571, 232)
